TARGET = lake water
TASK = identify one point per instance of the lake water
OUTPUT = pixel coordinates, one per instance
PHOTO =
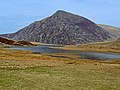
(86, 55)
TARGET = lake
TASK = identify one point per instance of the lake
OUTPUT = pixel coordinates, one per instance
(86, 55)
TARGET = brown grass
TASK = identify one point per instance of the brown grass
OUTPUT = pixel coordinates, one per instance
(23, 59)
(23, 70)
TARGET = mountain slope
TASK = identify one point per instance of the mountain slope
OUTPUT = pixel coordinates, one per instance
(114, 31)
(12, 42)
(115, 44)
(62, 28)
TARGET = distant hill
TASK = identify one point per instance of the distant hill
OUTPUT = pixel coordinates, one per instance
(114, 31)
(62, 28)
(12, 42)
(6, 41)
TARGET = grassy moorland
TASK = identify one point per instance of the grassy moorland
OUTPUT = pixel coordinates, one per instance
(96, 47)
(22, 70)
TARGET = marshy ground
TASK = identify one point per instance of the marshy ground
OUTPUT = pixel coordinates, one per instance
(23, 70)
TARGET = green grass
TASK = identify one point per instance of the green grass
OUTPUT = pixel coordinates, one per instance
(62, 77)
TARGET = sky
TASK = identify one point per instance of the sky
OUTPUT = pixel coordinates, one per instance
(16, 14)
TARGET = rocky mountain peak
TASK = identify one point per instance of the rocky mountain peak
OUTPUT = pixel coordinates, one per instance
(62, 28)
(64, 14)
(60, 11)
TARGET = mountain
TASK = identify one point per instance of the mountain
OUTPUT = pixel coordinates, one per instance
(114, 31)
(61, 28)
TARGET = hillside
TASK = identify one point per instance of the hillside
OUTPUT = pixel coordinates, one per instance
(115, 44)
(12, 42)
(6, 41)
(114, 31)
(62, 28)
